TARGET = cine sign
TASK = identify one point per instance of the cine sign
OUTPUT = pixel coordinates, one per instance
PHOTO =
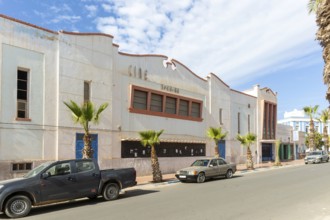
(169, 88)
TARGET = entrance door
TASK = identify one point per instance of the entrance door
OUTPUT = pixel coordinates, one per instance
(222, 148)
(267, 153)
(80, 145)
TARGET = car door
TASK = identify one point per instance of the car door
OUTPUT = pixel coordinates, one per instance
(223, 166)
(60, 183)
(213, 168)
(88, 177)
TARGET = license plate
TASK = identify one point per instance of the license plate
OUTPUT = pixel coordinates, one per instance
(181, 176)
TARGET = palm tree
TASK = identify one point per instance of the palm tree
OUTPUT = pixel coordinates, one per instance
(83, 115)
(324, 118)
(247, 141)
(151, 138)
(217, 135)
(322, 10)
(311, 112)
(277, 153)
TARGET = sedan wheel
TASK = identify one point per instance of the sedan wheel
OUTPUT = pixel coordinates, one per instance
(229, 174)
(201, 178)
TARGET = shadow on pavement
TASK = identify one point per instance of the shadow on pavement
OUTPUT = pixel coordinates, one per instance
(82, 202)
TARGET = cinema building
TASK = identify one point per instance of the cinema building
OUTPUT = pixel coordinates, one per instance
(40, 69)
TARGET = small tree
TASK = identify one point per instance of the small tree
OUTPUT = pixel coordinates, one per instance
(277, 153)
(83, 115)
(247, 141)
(216, 134)
(311, 112)
(318, 142)
(151, 138)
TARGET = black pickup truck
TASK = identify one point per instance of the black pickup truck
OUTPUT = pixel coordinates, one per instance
(60, 181)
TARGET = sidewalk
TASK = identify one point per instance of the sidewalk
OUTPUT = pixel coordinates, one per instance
(241, 169)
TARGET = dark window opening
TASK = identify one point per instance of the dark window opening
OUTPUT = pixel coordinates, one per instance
(184, 108)
(22, 94)
(21, 166)
(140, 99)
(131, 149)
(170, 106)
(156, 104)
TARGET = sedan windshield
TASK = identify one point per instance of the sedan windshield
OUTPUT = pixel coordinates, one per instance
(37, 170)
(315, 153)
(200, 163)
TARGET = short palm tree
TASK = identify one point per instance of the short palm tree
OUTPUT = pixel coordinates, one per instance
(324, 118)
(322, 10)
(216, 134)
(247, 141)
(151, 138)
(277, 153)
(83, 115)
(311, 112)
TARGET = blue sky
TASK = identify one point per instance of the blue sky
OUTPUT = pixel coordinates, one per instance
(245, 42)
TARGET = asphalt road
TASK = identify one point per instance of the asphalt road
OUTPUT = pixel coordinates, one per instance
(300, 192)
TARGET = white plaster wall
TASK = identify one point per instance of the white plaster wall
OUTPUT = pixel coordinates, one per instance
(240, 103)
(32, 49)
(85, 58)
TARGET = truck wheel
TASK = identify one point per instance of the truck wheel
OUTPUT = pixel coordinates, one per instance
(18, 206)
(110, 191)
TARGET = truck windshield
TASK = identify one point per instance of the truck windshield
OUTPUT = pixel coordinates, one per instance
(37, 170)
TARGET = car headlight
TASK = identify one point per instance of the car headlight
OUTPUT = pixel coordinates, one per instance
(1, 186)
(193, 172)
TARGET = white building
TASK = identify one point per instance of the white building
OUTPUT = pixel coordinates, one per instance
(300, 121)
(40, 69)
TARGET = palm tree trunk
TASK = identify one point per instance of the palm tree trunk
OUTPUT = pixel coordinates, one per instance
(323, 35)
(87, 151)
(277, 152)
(156, 173)
(325, 138)
(311, 136)
(216, 150)
(249, 161)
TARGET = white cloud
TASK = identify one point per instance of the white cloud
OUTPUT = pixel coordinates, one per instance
(235, 40)
(92, 10)
(65, 18)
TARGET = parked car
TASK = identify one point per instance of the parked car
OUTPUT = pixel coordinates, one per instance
(316, 157)
(203, 169)
(60, 181)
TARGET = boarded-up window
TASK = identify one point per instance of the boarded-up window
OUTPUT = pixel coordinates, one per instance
(170, 106)
(156, 104)
(140, 99)
(184, 108)
(196, 110)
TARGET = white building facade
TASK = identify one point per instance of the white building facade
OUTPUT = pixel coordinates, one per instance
(301, 122)
(40, 69)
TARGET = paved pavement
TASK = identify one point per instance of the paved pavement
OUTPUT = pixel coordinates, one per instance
(146, 181)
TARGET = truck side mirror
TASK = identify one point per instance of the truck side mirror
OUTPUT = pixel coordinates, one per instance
(45, 175)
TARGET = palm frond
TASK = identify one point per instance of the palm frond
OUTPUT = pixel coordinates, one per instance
(101, 109)
(75, 110)
(313, 5)
(150, 138)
